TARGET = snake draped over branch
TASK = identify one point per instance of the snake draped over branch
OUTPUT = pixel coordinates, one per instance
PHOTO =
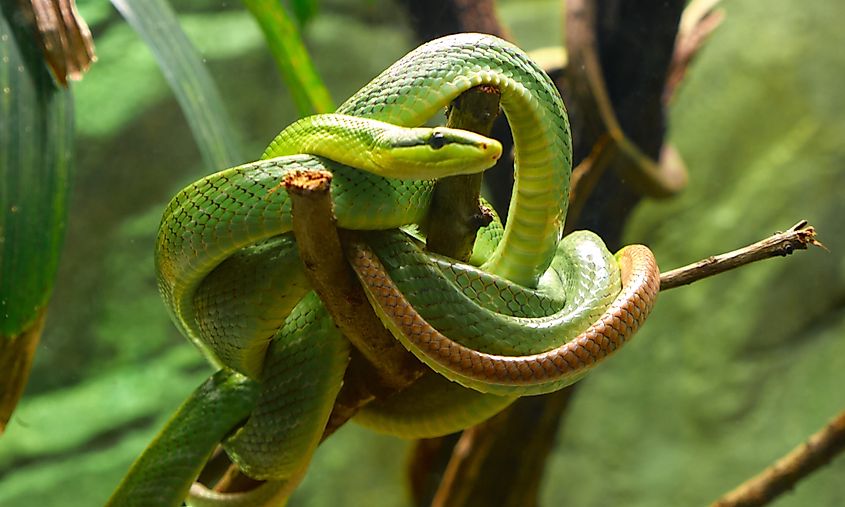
(530, 313)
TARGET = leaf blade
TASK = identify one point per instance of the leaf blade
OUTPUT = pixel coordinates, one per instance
(304, 83)
(195, 90)
(36, 151)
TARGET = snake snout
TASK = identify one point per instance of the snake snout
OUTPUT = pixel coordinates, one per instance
(496, 154)
(493, 149)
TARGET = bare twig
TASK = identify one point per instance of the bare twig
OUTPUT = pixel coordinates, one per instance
(781, 244)
(779, 478)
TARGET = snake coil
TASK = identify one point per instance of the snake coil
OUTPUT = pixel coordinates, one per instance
(533, 315)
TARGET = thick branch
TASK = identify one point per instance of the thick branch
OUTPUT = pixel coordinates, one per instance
(588, 87)
(779, 478)
(465, 464)
(798, 237)
(455, 214)
(478, 460)
(333, 280)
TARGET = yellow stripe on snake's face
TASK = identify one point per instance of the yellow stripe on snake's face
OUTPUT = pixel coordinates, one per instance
(386, 149)
(424, 153)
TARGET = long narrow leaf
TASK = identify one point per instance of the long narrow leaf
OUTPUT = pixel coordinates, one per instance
(36, 146)
(156, 23)
(305, 85)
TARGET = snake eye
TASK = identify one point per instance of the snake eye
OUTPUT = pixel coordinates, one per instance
(437, 140)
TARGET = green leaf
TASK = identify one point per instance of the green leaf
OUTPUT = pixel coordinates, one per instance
(305, 85)
(182, 66)
(36, 147)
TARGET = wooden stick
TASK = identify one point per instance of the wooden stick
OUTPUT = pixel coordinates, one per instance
(455, 214)
(781, 244)
(333, 280)
(782, 476)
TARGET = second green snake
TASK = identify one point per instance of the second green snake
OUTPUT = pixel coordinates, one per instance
(228, 267)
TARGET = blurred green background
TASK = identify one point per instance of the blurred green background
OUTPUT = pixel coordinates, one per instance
(728, 375)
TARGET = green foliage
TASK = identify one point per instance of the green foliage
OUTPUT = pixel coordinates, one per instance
(304, 83)
(304, 10)
(121, 53)
(36, 129)
(189, 79)
(36, 148)
(71, 446)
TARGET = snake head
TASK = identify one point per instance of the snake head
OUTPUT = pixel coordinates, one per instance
(428, 153)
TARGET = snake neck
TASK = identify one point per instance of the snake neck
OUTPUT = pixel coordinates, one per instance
(388, 150)
(431, 76)
(345, 139)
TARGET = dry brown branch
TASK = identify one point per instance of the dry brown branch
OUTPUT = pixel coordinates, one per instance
(333, 280)
(782, 476)
(63, 37)
(465, 463)
(781, 244)
(455, 214)
(699, 21)
(646, 175)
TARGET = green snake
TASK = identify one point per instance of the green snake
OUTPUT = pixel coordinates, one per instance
(530, 314)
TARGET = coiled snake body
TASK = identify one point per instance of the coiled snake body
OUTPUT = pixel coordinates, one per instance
(533, 314)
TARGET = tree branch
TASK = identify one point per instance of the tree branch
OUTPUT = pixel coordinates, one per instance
(455, 214)
(465, 464)
(782, 476)
(322, 256)
(699, 20)
(379, 365)
(781, 244)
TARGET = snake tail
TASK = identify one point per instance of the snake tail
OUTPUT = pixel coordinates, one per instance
(163, 474)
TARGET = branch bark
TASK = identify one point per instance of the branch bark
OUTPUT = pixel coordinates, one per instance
(782, 476)
(332, 279)
(781, 244)
(456, 214)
